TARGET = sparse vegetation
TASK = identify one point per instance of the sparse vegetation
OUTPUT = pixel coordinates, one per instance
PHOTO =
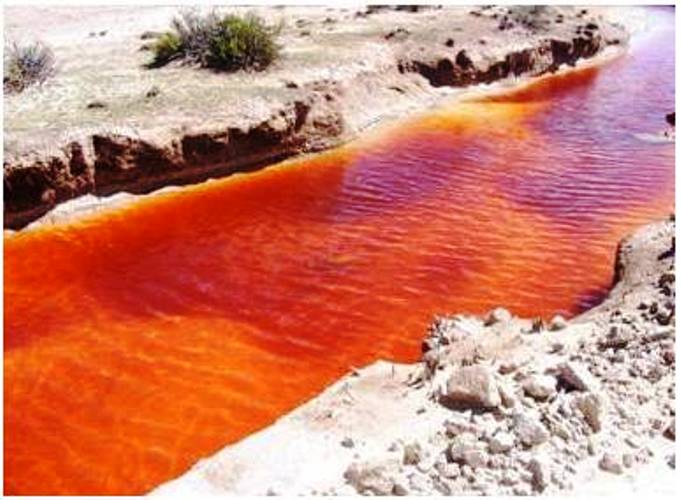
(26, 65)
(225, 43)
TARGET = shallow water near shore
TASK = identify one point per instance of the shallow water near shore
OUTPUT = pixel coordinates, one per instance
(140, 339)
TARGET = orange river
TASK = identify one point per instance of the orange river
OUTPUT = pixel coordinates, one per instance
(142, 338)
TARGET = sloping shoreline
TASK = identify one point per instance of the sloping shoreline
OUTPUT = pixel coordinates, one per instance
(413, 71)
(498, 405)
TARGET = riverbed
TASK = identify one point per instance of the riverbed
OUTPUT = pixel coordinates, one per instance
(142, 338)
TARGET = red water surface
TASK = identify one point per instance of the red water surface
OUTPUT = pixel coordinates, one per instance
(141, 339)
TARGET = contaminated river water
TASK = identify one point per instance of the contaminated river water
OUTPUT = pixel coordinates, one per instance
(142, 338)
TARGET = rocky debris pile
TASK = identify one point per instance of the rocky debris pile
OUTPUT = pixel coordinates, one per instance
(532, 408)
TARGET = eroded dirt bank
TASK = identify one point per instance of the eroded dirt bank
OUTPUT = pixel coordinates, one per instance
(497, 405)
(341, 71)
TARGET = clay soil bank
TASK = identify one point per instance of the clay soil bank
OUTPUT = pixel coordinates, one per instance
(105, 123)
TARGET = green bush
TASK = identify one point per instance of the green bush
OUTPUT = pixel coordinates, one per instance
(241, 43)
(166, 48)
(227, 43)
(26, 65)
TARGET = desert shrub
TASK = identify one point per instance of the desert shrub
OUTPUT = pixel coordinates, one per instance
(225, 43)
(26, 65)
(166, 48)
(241, 43)
(195, 31)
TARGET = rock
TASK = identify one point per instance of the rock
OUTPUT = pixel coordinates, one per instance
(592, 446)
(617, 338)
(153, 92)
(671, 118)
(412, 454)
(540, 474)
(610, 463)
(509, 478)
(521, 490)
(458, 424)
(420, 483)
(537, 325)
(576, 376)
(540, 387)
(529, 430)
(669, 356)
(591, 407)
(670, 431)
(507, 367)
(424, 466)
(656, 423)
(632, 441)
(508, 399)
(501, 442)
(449, 470)
(398, 34)
(473, 387)
(96, 105)
(556, 347)
(560, 430)
(367, 479)
(558, 322)
(400, 490)
(467, 472)
(498, 315)
(464, 62)
(348, 443)
(467, 450)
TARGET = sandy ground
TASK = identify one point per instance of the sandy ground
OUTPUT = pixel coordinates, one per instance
(580, 407)
(99, 59)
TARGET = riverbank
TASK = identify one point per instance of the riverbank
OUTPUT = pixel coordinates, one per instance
(341, 71)
(497, 405)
